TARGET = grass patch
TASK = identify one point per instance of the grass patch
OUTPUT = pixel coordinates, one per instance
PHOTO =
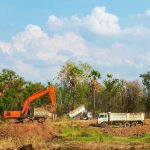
(145, 138)
(76, 133)
(81, 134)
(123, 140)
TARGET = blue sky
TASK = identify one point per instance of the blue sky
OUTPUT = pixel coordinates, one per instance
(37, 37)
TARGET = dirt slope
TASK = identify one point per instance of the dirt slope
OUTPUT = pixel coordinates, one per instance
(19, 130)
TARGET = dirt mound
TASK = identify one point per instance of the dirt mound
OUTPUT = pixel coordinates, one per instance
(19, 130)
(131, 131)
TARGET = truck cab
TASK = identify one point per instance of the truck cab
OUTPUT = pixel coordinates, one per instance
(102, 117)
(86, 115)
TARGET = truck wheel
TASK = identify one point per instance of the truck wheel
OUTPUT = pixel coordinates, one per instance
(120, 124)
(127, 124)
(142, 123)
(41, 120)
(103, 125)
(134, 123)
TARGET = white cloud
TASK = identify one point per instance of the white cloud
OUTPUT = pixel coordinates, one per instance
(131, 62)
(147, 12)
(119, 54)
(31, 37)
(33, 41)
(98, 22)
(46, 56)
(36, 54)
(140, 15)
(137, 30)
(105, 57)
(34, 46)
(5, 47)
(60, 48)
(27, 70)
(145, 57)
(101, 22)
(55, 23)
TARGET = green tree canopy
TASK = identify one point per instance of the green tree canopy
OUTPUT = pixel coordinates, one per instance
(146, 82)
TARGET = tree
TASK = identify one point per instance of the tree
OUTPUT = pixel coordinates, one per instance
(146, 82)
(133, 94)
(11, 89)
(70, 75)
(111, 91)
(122, 84)
(7, 79)
(94, 85)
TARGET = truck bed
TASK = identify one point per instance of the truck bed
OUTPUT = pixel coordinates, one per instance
(127, 116)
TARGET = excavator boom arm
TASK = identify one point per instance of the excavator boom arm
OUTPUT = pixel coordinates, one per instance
(39, 94)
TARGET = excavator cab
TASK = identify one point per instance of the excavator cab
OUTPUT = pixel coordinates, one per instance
(31, 113)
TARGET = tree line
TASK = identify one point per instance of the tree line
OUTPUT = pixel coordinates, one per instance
(76, 84)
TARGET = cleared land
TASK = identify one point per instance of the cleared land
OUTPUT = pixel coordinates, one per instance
(68, 134)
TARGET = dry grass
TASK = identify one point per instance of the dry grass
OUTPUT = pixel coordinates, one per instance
(13, 143)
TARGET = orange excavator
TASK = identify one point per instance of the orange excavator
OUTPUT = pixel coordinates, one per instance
(25, 112)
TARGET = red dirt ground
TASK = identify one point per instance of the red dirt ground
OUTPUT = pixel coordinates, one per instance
(18, 130)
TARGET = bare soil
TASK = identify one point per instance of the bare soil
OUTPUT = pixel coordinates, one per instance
(48, 131)
(130, 131)
(19, 130)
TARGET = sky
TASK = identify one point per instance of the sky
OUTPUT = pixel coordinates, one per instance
(37, 37)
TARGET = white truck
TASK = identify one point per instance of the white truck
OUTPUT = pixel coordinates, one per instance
(76, 112)
(124, 119)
